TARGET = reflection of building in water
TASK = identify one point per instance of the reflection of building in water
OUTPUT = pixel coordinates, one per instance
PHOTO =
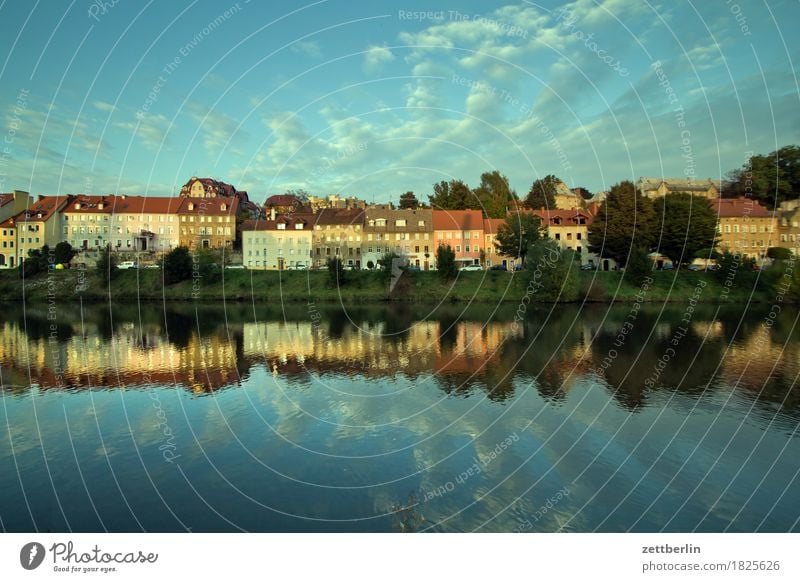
(131, 357)
(470, 346)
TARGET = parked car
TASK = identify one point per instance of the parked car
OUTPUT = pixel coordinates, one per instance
(694, 267)
(234, 266)
(126, 265)
(589, 267)
(498, 268)
(471, 268)
(152, 266)
(297, 268)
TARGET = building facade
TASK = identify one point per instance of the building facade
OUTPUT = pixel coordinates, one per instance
(658, 187)
(462, 230)
(570, 229)
(407, 233)
(338, 233)
(789, 229)
(278, 243)
(39, 225)
(207, 223)
(491, 256)
(745, 227)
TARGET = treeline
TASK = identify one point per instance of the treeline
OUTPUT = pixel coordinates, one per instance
(771, 178)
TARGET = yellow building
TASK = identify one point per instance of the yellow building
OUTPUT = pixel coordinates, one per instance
(39, 225)
(278, 243)
(570, 229)
(338, 233)
(658, 187)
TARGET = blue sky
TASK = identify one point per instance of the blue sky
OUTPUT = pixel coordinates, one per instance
(373, 99)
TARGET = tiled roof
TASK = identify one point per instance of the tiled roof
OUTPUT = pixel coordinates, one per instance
(6, 198)
(339, 216)
(739, 207)
(307, 219)
(491, 225)
(457, 220)
(208, 206)
(283, 200)
(41, 210)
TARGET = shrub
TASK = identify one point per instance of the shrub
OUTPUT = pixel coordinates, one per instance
(107, 265)
(446, 262)
(336, 272)
(177, 266)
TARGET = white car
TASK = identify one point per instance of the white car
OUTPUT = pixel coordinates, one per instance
(126, 265)
(471, 268)
(234, 266)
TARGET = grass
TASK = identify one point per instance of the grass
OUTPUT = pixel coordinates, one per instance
(314, 286)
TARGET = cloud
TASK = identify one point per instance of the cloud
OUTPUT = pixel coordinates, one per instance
(103, 106)
(376, 57)
(309, 48)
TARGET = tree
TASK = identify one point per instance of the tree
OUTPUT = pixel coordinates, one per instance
(779, 253)
(515, 236)
(639, 266)
(542, 193)
(770, 178)
(553, 272)
(336, 272)
(495, 195)
(36, 261)
(624, 220)
(63, 253)
(385, 264)
(446, 262)
(688, 224)
(177, 266)
(107, 265)
(408, 201)
(370, 265)
(207, 266)
(452, 195)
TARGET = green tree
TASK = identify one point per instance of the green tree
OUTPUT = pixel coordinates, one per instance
(208, 267)
(106, 265)
(446, 262)
(625, 219)
(63, 253)
(688, 224)
(495, 196)
(779, 253)
(771, 178)
(385, 264)
(542, 193)
(336, 272)
(639, 266)
(553, 272)
(36, 261)
(408, 201)
(515, 236)
(452, 195)
(370, 265)
(177, 266)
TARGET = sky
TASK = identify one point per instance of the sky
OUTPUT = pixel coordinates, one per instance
(372, 99)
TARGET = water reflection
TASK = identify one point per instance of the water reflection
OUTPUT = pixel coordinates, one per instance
(207, 349)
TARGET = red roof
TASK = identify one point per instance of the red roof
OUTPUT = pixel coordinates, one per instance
(738, 207)
(219, 206)
(340, 217)
(6, 198)
(306, 218)
(283, 200)
(491, 225)
(457, 220)
(42, 210)
(555, 216)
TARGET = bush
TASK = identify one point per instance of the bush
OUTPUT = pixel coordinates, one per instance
(639, 266)
(553, 272)
(63, 253)
(336, 272)
(36, 262)
(207, 266)
(177, 266)
(370, 265)
(107, 265)
(385, 263)
(779, 253)
(446, 262)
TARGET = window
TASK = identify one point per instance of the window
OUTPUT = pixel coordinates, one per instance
(458, 248)
(466, 248)
(401, 222)
(558, 236)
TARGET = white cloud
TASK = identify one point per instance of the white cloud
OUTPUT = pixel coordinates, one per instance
(376, 57)
(309, 48)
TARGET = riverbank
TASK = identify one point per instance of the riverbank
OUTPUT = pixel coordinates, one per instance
(364, 286)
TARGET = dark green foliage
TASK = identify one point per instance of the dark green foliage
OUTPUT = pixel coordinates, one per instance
(684, 226)
(107, 265)
(336, 272)
(207, 264)
(542, 193)
(779, 253)
(639, 266)
(36, 262)
(452, 195)
(625, 219)
(446, 262)
(517, 234)
(553, 272)
(63, 253)
(385, 265)
(408, 201)
(770, 178)
(495, 196)
(177, 266)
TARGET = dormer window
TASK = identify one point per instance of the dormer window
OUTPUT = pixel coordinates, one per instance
(77, 206)
(223, 206)
(298, 226)
(281, 226)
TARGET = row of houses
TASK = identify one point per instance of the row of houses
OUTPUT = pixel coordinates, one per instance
(360, 237)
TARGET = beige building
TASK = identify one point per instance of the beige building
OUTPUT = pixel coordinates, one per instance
(658, 187)
(789, 230)
(338, 233)
(278, 243)
(570, 229)
(39, 225)
(407, 233)
(208, 223)
(745, 227)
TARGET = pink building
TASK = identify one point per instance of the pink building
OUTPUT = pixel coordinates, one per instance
(462, 230)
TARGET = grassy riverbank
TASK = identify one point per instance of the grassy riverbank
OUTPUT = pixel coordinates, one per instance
(421, 287)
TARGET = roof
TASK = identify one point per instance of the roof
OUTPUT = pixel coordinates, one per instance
(6, 198)
(457, 220)
(740, 207)
(210, 184)
(677, 184)
(283, 200)
(290, 220)
(220, 206)
(383, 212)
(491, 225)
(41, 210)
(339, 216)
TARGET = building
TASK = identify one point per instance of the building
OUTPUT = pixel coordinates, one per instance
(285, 204)
(745, 227)
(658, 187)
(789, 228)
(570, 229)
(338, 233)
(36, 226)
(211, 188)
(337, 202)
(566, 199)
(407, 233)
(491, 256)
(13, 203)
(463, 231)
(278, 243)
(208, 223)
